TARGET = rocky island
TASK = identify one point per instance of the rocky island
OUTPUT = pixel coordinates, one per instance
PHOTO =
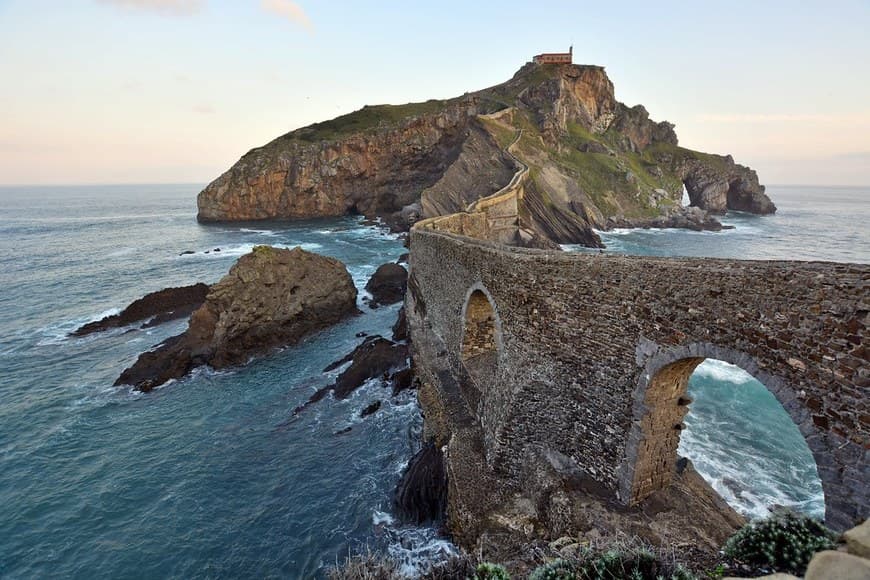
(270, 298)
(593, 162)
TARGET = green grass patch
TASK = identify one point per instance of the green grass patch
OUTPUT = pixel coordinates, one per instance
(504, 136)
(367, 119)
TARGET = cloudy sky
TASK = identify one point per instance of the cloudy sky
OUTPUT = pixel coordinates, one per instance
(156, 91)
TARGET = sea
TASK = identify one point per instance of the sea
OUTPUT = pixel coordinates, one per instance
(211, 475)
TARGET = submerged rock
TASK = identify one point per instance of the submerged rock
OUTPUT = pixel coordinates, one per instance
(370, 409)
(270, 298)
(387, 285)
(155, 308)
(421, 494)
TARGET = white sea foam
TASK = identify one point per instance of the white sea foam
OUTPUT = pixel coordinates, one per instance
(415, 549)
(261, 232)
(242, 249)
(723, 372)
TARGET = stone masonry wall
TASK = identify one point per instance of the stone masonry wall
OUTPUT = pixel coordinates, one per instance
(584, 337)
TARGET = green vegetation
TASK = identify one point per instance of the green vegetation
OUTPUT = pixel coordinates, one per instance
(558, 569)
(364, 120)
(504, 136)
(488, 571)
(784, 542)
(657, 152)
(623, 562)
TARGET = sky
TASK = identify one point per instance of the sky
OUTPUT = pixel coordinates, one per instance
(175, 91)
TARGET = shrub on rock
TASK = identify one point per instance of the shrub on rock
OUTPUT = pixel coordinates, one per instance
(784, 542)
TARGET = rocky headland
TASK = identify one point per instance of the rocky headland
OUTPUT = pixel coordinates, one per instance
(270, 298)
(592, 161)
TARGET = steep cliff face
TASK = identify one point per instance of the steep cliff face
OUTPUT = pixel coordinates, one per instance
(374, 172)
(593, 161)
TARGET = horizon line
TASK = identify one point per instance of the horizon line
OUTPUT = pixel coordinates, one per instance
(204, 183)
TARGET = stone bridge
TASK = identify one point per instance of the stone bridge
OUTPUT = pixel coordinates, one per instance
(589, 355)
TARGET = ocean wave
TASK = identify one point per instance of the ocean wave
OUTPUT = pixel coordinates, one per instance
(59, 332)
(724, 372)
(414, 549)
(242, 249)
(269, 233)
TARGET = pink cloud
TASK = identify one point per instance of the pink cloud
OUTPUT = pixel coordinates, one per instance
(289, 10)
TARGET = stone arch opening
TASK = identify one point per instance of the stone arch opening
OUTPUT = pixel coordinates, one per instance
(481, 335)
(662, 402)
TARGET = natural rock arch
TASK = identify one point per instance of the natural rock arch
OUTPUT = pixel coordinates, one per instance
(661, 403)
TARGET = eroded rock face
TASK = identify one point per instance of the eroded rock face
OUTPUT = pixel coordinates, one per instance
(270, 298)
(154, 308)
(421, 494)
(716, 183)
(374, 173)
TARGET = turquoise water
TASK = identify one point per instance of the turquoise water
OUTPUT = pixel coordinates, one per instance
(738, 435)
(209, 476)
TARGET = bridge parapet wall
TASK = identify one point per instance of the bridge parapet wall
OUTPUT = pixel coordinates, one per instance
(582, 333)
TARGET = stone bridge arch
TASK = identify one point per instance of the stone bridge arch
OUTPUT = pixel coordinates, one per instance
(481, 343)
(660, 403)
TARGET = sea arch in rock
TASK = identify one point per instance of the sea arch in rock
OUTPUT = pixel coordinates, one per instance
(661, 402)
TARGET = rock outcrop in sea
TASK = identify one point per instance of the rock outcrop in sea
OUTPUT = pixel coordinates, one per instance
(153, 308)
(270, 298)
(592, 159)
(387, 285)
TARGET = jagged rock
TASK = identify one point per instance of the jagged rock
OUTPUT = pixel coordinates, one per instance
(374, 357)
(402, 380)
(387, 285)
(270, 298)
(370, 409)
(715, 183)
(155, 307)
(421, 494)
(400, 328)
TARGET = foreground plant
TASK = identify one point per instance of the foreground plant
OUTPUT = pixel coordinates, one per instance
(784, 542)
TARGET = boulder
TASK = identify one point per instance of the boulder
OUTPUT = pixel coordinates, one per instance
(270, 298)
(388, 284)
(858, 540)
(155, 308)
(829, 564)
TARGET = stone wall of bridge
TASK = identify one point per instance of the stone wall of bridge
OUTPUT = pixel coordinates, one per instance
(594, 351)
